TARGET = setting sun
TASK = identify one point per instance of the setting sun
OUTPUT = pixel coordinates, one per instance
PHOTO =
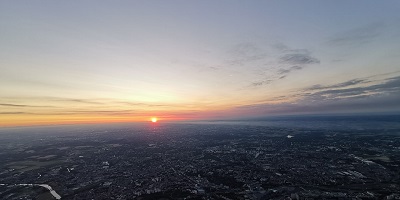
(154, 119)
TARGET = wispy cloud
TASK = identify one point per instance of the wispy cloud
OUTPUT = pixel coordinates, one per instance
(260, 83)
(12, 105)
(287, 60)
(358, 36)
(84, 101)
(360, 94)
(244, 49)
(60, 106)
(267, 62)
(12, 113)
(21, 105)
(339, 85)
(298, 59)
(246, 53)
(387, 86)
(287, 71)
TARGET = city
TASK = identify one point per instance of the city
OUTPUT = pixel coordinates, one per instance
(202, 161)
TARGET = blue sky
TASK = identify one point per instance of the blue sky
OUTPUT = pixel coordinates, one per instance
(73, 61)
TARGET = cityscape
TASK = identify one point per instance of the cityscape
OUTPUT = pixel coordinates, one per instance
(200, 161)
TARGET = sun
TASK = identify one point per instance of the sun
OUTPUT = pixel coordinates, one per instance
(154, 119)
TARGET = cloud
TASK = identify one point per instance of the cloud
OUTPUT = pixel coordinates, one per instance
(265, 64)
(338, 91)
(59, 101)
(12, 105)
(298, 59)
(339, 85)
(21, 105)
(246, 53)
(287, 71)
(366, 94)
(12, 113)
(102, 112)
(295, 56)
(246, 59)
(244, 49)
(61, 106)
(357, 36)
(365, 103)
(85, 101)
(260, 83)
(143, 104)
(288, 60)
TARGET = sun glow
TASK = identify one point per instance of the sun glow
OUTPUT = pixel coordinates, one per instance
(154, 119)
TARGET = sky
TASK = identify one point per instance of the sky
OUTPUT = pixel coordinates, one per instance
(122, 61)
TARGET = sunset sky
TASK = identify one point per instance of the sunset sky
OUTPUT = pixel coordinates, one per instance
(122, 61)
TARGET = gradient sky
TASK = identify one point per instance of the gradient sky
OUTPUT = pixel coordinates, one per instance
(105, 61)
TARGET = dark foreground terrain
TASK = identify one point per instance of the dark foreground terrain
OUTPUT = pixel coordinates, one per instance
(201, 161)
